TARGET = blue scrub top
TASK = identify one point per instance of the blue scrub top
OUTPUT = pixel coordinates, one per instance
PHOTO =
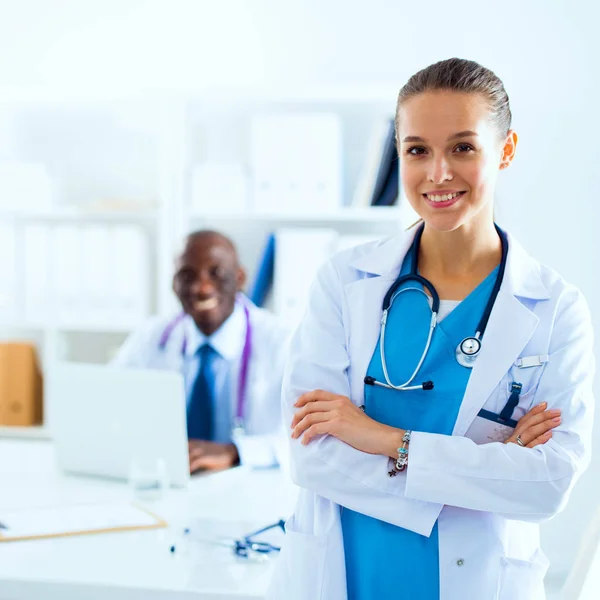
(384, 561)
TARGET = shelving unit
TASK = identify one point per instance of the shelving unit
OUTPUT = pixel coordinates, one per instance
(144, 149)
(37, 432)
(379, 214)
(219, 130)
(78, 215)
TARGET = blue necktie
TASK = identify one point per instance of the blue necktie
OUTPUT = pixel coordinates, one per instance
(200, 418)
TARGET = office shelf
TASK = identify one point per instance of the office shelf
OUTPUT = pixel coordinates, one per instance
(70, 214)
(372, 215)
(83, 325)
(33, 432)
(145, 147)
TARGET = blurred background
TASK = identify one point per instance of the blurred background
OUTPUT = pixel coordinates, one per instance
(126, 124)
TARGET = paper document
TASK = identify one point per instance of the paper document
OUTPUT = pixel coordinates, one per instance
(296, 160)
(73, 520)
(38, 292)
(9, 270)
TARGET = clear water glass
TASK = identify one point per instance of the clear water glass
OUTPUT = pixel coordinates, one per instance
(148, 478)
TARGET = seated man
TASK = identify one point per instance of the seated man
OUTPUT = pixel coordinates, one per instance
(231, 354)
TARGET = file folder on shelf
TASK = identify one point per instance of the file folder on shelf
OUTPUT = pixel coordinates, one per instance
(300, 254)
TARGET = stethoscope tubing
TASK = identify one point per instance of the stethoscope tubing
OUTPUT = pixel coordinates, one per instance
(395, 290)
(404, 386)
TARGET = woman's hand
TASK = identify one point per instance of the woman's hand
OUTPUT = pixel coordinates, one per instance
(321, 412)
(536, 426)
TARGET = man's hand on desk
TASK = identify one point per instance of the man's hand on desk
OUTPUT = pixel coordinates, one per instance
(212, 456)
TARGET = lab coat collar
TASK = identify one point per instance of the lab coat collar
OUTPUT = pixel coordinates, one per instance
(228, 340)
(510, 327)
(522, 278)
(386, 258)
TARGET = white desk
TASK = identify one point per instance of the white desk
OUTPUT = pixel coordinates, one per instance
(134, 565)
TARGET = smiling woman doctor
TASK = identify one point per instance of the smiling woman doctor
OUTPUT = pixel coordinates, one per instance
(448, 358)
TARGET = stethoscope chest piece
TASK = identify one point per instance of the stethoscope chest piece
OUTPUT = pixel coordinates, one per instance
(467, 352)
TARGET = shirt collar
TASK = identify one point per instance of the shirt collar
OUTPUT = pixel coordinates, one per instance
(228, 340)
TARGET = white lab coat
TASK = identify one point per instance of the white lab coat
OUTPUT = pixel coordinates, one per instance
(263, 442)
(488, 499)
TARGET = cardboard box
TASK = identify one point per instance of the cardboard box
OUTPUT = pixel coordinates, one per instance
(21, 387)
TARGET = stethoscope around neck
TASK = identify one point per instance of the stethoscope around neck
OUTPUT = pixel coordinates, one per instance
(244, 364)
(467, 351)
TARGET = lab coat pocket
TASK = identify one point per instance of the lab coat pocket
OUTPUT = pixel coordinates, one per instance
(302, 562)
(529, 379)
(522, 579)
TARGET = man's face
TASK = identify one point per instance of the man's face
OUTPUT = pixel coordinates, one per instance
(206, 280)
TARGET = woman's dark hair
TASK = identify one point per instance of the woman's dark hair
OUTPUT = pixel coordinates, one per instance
(459, 75)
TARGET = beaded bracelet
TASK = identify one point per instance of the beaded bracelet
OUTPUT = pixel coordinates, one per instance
(402, 459)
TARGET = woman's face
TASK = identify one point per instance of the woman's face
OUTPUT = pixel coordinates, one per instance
(450, 155)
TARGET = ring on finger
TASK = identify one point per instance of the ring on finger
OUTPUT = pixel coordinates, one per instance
(520, 441)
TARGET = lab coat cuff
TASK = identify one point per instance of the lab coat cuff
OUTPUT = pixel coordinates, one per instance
(256, 451)
(418, 472)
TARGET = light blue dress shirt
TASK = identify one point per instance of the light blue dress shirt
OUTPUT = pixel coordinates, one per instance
(264, 439)
(228, 341)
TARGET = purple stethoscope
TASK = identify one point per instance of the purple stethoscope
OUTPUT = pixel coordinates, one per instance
(245, 362)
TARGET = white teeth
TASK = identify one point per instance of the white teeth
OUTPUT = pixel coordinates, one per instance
(442, 198)
(205, 304)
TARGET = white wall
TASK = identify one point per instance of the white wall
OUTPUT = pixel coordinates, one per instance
(545, 51)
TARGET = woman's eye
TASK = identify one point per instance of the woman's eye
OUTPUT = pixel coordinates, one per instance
(464, 147)
(415, 150)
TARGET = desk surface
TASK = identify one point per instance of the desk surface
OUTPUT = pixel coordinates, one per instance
(132, 565)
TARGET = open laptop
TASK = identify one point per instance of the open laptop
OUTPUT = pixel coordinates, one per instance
(103, 419)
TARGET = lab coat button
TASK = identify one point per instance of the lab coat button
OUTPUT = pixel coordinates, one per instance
(460, 562)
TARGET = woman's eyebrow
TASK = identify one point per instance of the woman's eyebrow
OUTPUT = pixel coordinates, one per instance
(454, 136)
(462, 134)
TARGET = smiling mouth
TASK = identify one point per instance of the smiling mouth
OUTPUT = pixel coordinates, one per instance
(204, 305)
(443, 197)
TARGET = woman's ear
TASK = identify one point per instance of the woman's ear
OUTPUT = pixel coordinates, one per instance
(509, 149)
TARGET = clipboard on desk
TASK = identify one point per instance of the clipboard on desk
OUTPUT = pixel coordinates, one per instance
(79, 519)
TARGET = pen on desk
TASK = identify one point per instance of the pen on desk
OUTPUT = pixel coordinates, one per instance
(173, 547)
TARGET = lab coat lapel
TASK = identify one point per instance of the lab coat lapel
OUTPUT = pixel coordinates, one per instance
(365, 299)
(510, 327)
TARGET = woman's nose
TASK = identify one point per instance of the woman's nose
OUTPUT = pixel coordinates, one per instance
(440, 171)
